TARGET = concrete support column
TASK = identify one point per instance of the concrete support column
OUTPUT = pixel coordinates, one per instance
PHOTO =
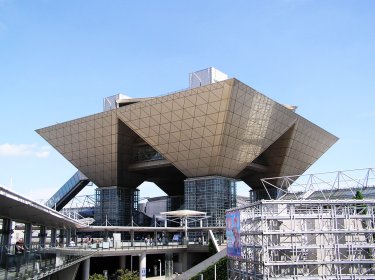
(122, 262)
(73, 234)
(61, 236)
(68, 237)
(86, 269)
(184, 261)
(168, 266)
(28, 235)
(132, 238)
(42, 236)
(6, 232)
(53, 237)
(142, 266)
(59, 259)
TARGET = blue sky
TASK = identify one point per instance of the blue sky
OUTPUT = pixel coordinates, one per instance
(58, 59)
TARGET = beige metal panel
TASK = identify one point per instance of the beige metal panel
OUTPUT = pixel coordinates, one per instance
(308, 143)
(184, 126)
(88, 144)
(253, 123)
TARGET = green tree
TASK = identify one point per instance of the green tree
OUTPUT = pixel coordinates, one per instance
(125, 274)
(358, 195)
(97, 277)
(361, 208)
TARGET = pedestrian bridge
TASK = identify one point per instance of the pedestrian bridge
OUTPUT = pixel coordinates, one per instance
(41, 262)
(45, 258)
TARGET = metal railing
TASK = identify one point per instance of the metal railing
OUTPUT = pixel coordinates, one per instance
(34, 262)
(127, 245)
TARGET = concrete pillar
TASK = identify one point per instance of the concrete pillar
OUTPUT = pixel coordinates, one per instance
(132, 238)
(184, 261)
(73, 234)
(142, 266)
(86, 269)
(28, 235)
(42, 236)
(122, 262)
(6, 234)
(59, 259)
(68, 237)
(53, 237)
(61, 236)
(168, 266)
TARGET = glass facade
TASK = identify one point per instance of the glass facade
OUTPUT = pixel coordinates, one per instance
(146, 153)
(175, 202)
(212, 195)
(115, 206)
(75, 184)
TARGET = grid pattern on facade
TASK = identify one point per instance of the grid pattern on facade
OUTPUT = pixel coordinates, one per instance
(222, 127)
(175, 203)
(115, 206)
(213, 195)
(90, 144)
(217, 129)
(306, 239)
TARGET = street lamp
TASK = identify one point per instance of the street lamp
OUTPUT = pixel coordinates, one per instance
(159, 260)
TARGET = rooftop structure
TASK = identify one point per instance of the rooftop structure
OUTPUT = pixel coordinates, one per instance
(208, 136)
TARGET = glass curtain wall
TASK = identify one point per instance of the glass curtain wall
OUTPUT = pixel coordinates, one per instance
(212, 195)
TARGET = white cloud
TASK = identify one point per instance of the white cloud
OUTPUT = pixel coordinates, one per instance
(17, 150)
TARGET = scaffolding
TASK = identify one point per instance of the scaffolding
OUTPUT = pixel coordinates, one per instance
(310, 232)
(308, 239)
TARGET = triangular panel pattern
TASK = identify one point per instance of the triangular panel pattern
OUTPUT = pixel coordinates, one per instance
(89, 144)
(184, 127)
(253, 123)
(308, 143)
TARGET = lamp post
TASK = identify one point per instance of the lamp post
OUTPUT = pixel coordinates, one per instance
(159, 260)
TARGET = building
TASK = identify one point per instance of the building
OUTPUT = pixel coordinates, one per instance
(310, 232)
(195, 142)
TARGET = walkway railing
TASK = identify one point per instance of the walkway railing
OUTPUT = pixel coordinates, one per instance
(35, 261)
(128, 246)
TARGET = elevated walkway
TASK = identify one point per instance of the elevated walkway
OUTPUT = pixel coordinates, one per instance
(68, 191)
(37, 262)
